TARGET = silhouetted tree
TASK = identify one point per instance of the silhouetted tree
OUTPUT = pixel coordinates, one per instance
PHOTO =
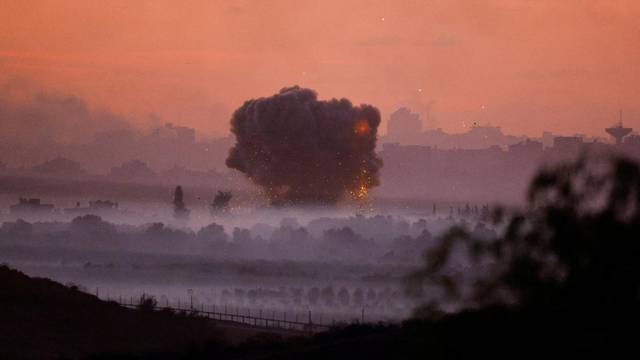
(147, 303)
(343, 297)
(577, 245)
(328, 295)
(313, 295)
(252, 296)
(371, 296)
(19, 228)
(213, 233)
(92, 228)
(179, 209)
(358, 297)
(221, 202)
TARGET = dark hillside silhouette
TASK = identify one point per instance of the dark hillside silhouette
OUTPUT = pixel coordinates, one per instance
(41, 319)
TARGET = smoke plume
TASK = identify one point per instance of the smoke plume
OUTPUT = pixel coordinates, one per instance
(303, 150)
(30, 115)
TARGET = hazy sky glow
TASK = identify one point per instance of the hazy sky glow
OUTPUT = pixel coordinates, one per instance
(564, 66)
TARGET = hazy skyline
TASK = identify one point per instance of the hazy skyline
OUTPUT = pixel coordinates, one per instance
(528, 66)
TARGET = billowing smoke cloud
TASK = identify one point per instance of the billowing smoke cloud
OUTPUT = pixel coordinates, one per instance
(303, 150)
(35, 116)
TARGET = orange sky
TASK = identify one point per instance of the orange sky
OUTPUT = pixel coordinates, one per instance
(564, 66)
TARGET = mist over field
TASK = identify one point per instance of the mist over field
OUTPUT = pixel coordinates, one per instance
(251, 257)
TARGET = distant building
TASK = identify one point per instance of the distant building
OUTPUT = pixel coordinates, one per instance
(547, 139)
(486, 131)
(618, 132)
(173, 132)
(60, 167)
(30, 206)
(567, 144)
(97, 207)
(132, 170)
(404, 126)
(631, 145)
(632, 140)
(527, 148)
(477, 137)
(103, 205)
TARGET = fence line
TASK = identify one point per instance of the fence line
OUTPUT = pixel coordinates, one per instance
(254, 321)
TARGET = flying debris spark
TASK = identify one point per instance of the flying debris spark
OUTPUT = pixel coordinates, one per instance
(303, 150)
(361, 193)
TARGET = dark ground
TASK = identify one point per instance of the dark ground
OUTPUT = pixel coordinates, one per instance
(41, 319)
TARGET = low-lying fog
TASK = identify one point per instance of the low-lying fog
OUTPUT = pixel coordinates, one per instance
(337, 262)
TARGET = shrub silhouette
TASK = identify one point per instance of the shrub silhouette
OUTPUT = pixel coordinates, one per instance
(575, 246)
(221, 202)
(147, 303)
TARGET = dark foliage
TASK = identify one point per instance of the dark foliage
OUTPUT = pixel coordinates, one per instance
(221, 202)
(147, 303)
(180, 211)
(576, 246)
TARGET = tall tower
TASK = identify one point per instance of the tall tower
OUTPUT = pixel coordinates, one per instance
(618, 131)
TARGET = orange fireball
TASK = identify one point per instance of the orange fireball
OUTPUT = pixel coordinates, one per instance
(361, 127)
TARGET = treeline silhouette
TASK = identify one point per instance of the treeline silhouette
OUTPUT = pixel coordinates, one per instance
(356, 239)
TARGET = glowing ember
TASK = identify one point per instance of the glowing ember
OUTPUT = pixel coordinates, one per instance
(361, 194)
